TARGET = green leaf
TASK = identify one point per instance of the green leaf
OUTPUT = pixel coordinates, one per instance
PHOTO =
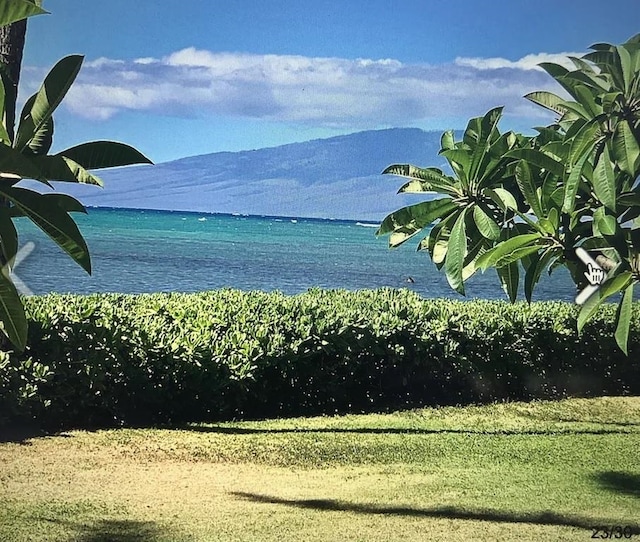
(43, 137)
(51, 93)
(12, 316)
(516, 255)
(554, 218)
(554, 70)
(422, 179)
(49, 214)
(609, 64)
(447, 140)
(478, 247)
(539, 159)
(16, 163)
(527, 185)
(623, 318)
(548, 100)
(502, 198)
(410, 220)
(510, 279)
(4, 135)
(588, 310)
(583, 67)
(42, 140)
(460, 161)
(625, 148)
(534, 271)
(437, 241)
(627, 65)
(604, 180)
(559, 73)
(605, 224)
(631, 199)
(579, 110)
(557, 197)
(614, 285)
(472, 132)
(65, 202)
(505, 248)
(61, 168)
(572, 184)
(439, 252)
(8, 235)
(635, 39)
(104, 154)
(612, 101)
(548, 134)
(488, 127)
(600, 47)
(585, 140)
(586, 98)
(456, 251)
(416, 186)
(16, 10)
(486, 225)
(558, 150)
(547, 226)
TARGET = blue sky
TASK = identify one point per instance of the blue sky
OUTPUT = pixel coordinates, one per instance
(178, 78)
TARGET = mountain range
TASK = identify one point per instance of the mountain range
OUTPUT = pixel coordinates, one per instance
(337, 177)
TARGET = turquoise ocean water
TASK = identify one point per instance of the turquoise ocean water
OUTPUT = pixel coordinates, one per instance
(137, 251)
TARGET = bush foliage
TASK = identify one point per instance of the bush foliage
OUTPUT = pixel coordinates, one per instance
(167, 358)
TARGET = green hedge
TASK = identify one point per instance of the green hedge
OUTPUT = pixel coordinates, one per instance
(167, 358)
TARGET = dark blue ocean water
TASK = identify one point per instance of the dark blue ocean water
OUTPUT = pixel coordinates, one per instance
(137, 251)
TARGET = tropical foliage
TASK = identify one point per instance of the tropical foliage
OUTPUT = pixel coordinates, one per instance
(521, 203)
(24, 154)
(155, 358)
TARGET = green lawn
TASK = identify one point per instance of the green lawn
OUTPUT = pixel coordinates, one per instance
(518, 471)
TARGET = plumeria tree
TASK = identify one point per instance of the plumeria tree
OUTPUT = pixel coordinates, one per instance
(24, 154)
(524, 205)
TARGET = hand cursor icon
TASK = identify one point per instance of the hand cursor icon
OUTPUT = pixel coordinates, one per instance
(595, 274)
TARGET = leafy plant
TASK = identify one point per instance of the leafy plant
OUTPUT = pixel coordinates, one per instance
(25, 156)
(159, 358)
(528, 203)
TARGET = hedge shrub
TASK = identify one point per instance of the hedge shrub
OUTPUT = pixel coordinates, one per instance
(110, 359)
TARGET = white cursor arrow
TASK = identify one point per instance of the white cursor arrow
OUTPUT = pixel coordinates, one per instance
(595, 275)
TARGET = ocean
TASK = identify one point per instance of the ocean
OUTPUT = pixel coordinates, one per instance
(135, 251)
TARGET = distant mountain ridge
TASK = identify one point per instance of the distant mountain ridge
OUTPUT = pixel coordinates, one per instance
(338, 177)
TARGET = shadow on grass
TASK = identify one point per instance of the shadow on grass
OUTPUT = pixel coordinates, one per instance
(444, 512)
(397, 430)
(619, 482)
(569, 419)
(120, 531)
(123, 530)
(597, 422)
(23, 433)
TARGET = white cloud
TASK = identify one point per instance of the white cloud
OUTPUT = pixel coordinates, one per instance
(144, 60)
(103, 62)
(529, 62)
(332, 92)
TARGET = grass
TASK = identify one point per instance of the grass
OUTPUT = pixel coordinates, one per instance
(514, 471)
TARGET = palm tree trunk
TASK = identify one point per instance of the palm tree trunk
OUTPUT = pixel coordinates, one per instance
(11, 48)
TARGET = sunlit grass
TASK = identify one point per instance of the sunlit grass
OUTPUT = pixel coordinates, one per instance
(518, 471)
